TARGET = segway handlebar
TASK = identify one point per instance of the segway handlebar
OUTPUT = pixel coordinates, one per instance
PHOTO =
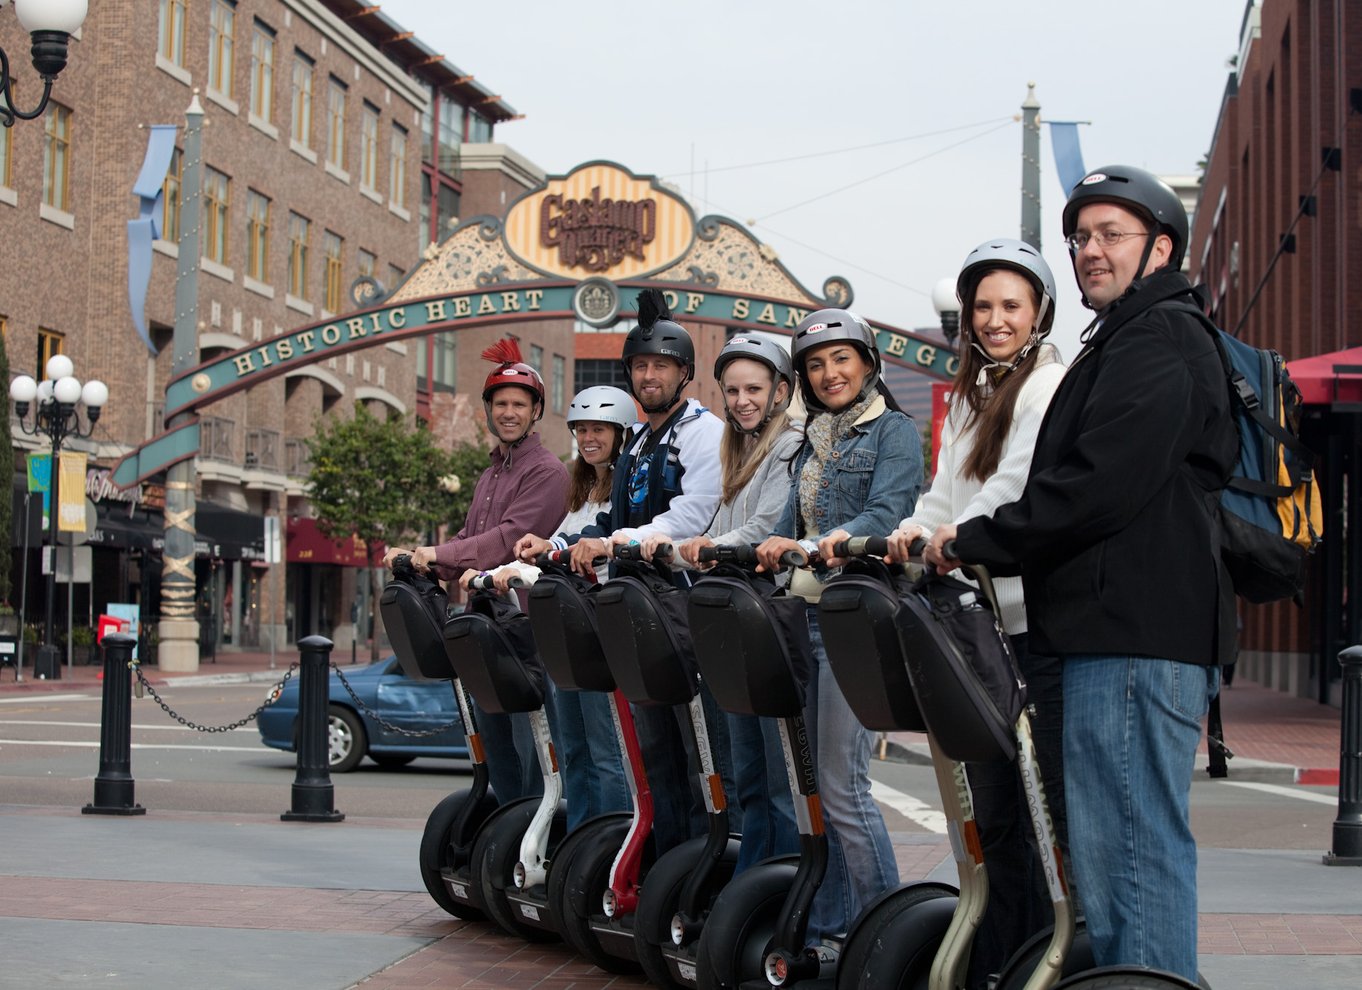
(864, 546)
(563, 558)
(634, 551)
(483, 582)
(743, 554)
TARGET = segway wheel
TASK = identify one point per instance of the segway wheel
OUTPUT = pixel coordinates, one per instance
(495, 854)
(1127, 978)
(1022, 963)
(738, 930)
(660, 897)
(893, 944)
(577, 879)
(440, 854)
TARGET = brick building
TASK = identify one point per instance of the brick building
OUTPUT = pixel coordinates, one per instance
(1277, 243)
(336, 145)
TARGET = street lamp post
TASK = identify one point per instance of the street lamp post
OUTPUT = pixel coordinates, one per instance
(56, 417)
(947, 306)
(50, 24)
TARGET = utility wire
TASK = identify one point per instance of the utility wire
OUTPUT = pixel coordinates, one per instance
(840, 151)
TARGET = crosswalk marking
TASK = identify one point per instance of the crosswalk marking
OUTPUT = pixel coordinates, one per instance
(909, 807)
(1291, 792)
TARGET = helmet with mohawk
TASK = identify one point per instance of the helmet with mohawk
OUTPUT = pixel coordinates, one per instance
(658, 333)
(511, 370)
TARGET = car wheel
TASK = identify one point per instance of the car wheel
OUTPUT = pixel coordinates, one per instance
(346, 741)
(390, 761)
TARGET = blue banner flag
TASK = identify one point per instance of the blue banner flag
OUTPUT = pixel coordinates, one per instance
(148, 225)
(1068, 154)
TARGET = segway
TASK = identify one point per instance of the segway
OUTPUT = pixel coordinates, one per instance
(493, 654)
(753, 650)
(414, 609)
(611, 848)
(658, 668)
(903, 666)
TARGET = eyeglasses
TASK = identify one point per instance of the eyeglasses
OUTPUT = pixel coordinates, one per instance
(1104, 238)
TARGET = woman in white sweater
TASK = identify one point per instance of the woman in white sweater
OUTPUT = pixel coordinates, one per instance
(755, 454)
(999, 397)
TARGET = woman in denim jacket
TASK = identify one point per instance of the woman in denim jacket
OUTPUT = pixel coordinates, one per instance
(857, 473)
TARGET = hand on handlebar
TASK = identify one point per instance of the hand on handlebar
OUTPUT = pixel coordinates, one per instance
(827, 548)
(690, 552)
(771, 554)
(901, 543)
(936, 552)
(658, 541)
(530, 546)
(584, 554)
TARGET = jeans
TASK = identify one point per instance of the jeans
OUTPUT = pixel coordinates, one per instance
(512, 766)
(1131, 728)
(588, 754)
(861, 862)
(1018, 902)
(762, 790)
(664, 736)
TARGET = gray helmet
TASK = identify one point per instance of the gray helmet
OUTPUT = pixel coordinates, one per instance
(824, 327)
(603, 404)
(1005, 252)
(766, 352)
(1137, 190)
(658, 333)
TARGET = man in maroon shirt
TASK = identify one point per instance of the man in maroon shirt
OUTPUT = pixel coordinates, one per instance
(523, 490)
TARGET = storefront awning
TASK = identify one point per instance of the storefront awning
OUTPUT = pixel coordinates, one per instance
(1329, 379)
(307, 545)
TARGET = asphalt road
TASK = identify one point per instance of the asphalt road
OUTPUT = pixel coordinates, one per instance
(49, 755)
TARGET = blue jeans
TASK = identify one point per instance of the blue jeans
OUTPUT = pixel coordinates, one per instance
(1131, 728)
(861, 862)
(588, 754)
(512, 766)
(762, 789)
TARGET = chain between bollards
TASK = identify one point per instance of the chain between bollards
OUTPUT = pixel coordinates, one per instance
(313, 793)
(1347, 845)
(114, 784)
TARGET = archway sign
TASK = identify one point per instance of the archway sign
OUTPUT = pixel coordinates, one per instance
(580, 247)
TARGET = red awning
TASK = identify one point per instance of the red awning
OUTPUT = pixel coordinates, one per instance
(1326, 379)
(307, 545)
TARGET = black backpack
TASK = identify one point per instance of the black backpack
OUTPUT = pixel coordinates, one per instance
(645, 634)
(414, 608)
(492, 651)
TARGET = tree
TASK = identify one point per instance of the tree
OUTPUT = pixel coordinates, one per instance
(378, 480)
(467, 462)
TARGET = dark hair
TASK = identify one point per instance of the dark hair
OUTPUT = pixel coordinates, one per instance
(586, 485)
(989, 411)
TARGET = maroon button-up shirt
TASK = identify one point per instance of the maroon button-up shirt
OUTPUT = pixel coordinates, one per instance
(529, 496)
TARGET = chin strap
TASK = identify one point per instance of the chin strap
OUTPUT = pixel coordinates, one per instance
(998, 369)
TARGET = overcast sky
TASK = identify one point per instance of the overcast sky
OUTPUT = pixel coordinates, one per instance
(702, 92)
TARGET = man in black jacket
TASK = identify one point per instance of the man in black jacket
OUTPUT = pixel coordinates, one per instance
(1116, 542)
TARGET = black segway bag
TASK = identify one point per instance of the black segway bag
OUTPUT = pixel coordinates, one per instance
(563, 619)
(645, 635)
(752, 643)
(962, 669)
(413, 608)
(491, 649)
(859, 613)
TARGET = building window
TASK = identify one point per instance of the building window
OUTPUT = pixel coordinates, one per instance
(302, 99)
(597, 371)
(444, 362)
(257, 235)
(537, 358)
(262, 73)
(216, 200)
(368, 147)
(299, 230)
(479, 129)
(171, 33)
(397, 168)
(366, 263)
(170, 198)
(50, 343)
(6, 155)
(57, 158)
(450, 135)
(331, 247)
(335, 123)
(559, 381)
(221, 34)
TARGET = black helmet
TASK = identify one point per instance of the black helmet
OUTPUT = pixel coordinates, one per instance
(658, 333)
(767, 352)
(1137, 190)
(823, 327)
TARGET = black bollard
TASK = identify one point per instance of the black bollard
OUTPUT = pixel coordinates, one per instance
(313, 794)
(114, 783)
(1347, 848)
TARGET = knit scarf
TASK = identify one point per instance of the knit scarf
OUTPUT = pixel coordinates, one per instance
(822, 434)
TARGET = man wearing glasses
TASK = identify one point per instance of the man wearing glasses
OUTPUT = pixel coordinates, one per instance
(1115, 539)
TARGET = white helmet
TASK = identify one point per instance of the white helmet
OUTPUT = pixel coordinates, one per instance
(603, 404)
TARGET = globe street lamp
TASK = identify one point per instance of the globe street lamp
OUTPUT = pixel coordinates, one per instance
(50, 24)
(947, 306)
(56, 417)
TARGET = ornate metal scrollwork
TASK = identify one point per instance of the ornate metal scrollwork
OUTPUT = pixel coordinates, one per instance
(837, 292)
(367, 291)
(708, 228)
(490, 230)
(497, 274)
(702, 277)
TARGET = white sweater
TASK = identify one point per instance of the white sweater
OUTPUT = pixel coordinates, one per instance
(954, 498)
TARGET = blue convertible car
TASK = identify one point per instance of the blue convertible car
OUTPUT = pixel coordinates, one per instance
(411, 705)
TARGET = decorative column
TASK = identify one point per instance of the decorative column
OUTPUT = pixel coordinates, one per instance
(179, 629)
(1030, 202)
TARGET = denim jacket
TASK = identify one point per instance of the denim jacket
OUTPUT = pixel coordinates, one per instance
(871, 481)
